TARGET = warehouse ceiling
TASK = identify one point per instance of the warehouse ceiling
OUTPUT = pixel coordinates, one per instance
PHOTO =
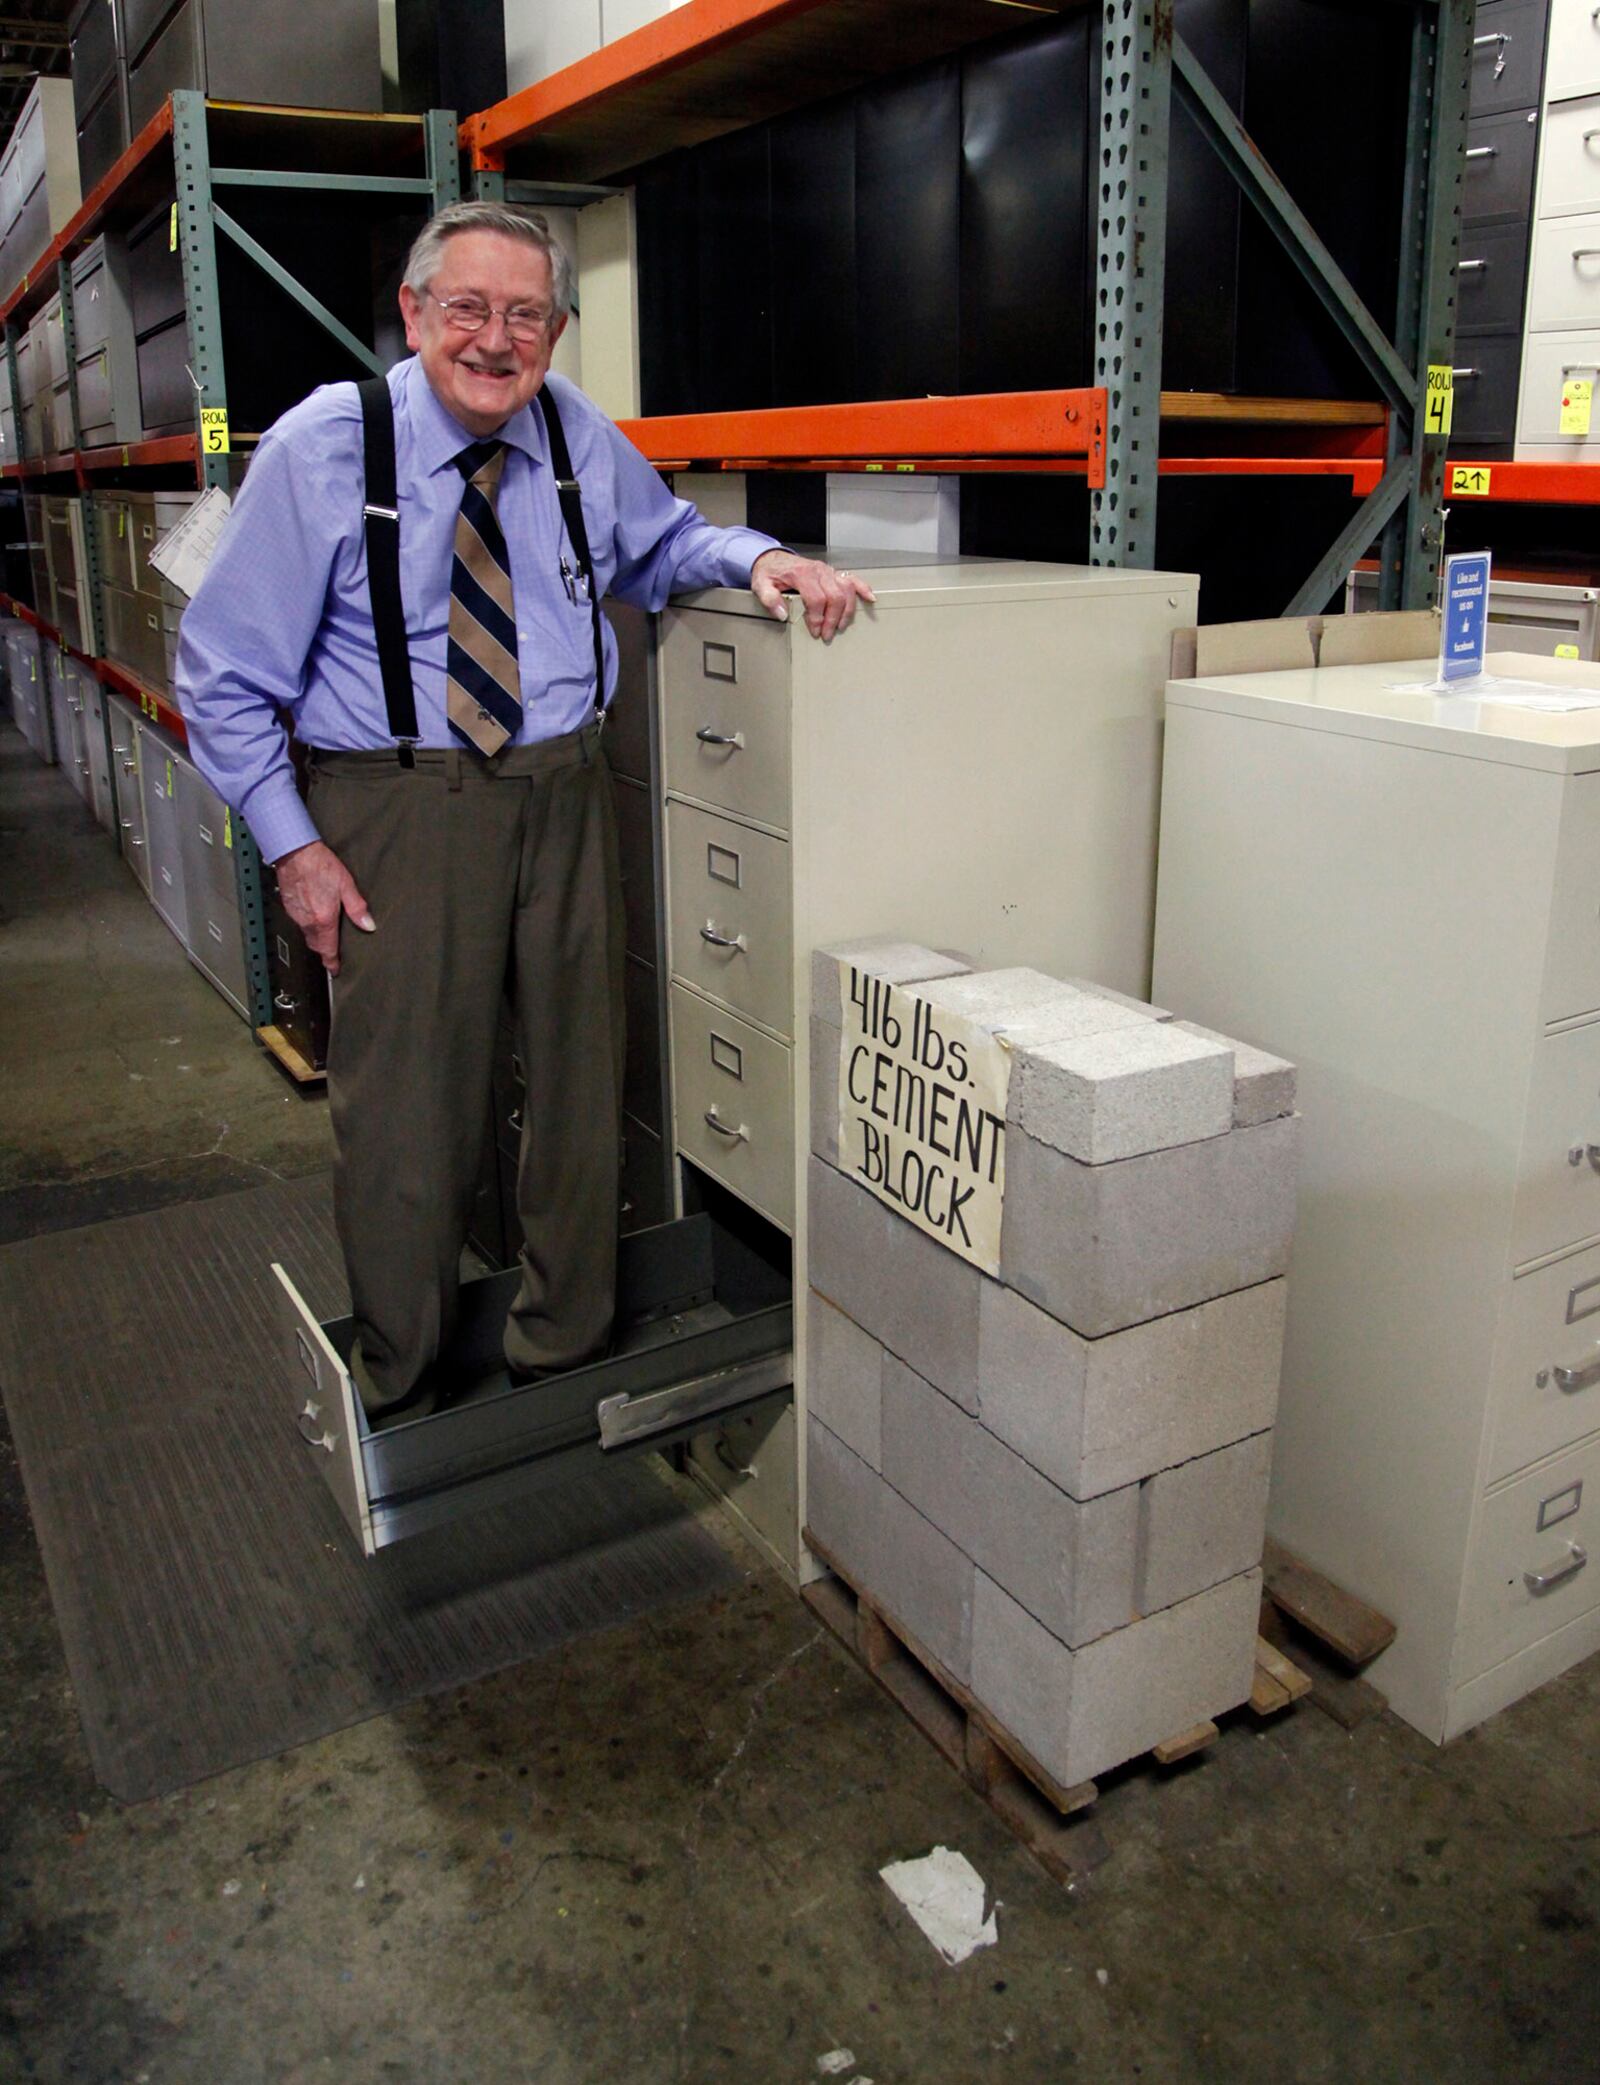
(33, 39)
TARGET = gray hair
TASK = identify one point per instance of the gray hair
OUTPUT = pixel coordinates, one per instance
(530, 226)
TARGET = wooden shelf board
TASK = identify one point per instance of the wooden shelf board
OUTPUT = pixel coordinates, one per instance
(714, 66)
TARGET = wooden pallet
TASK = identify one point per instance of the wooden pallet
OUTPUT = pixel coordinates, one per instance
(1023, 1794)
(299, 1068)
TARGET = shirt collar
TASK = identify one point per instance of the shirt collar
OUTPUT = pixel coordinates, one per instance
(439, 435)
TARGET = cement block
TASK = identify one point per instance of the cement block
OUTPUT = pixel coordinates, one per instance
(879, 955)
(1202, 1522)
(1123, 1091)
(825, 1089)
(1070, 1563)
(914, 1297)
(890, 1551)
(1082, 1712)
(1101, 1247)
(1142, 1006)
(1029, 1008)
(844, 1379)
(1263, 1085)
(1094, 1414)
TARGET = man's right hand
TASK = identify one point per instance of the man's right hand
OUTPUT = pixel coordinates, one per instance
(318, 892)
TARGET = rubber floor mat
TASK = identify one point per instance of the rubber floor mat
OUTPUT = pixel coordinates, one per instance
(213, 1605)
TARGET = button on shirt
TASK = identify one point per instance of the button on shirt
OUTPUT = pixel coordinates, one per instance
(283, 619)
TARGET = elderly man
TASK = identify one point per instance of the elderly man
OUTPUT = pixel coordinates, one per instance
(459, 815)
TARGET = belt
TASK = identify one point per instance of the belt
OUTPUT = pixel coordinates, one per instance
(455, 765)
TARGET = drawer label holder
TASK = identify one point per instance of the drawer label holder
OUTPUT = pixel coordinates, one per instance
(922, 1114)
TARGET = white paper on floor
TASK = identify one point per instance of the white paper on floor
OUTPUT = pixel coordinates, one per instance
(944, 1893)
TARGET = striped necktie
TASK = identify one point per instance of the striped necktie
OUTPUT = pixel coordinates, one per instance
(484, 690)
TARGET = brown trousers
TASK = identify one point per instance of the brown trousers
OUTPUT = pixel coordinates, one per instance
(481, 876)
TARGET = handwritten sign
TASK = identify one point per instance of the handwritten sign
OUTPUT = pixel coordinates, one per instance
(1439, 410)
(1470, 481)
(922, 1114)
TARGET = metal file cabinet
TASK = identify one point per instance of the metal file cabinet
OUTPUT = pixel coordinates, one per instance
(139, 610)
(1558, 619)
(70, 713)
(123, 720)
(1563, 302)
(322, 57)
(39, 187)
(90, 697)
(1401, 894)
(215, 937)
(298, 981)
(107, 358)
(974, 764)
(99, 92)
(159, 762)
(29, 693)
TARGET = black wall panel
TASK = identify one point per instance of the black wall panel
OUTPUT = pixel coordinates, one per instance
(1203, 210)
(1027, 251)
(671, 251)
(813, 177)
(1325, 100)
(734, 310)
(908, 244)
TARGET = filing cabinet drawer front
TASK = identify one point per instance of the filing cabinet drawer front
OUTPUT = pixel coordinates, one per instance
(732, 1102)
(1574, 60)
(726, 678)
(1564, 293)
(216, 941)
(1572, 969)
(110, 517)
(1507, 56)
(130, 801)
(1569, 159)
(1497, 180)
(102, 138)
(728, 914)
(1550, 361)
(751, 1459)
(95, 406)
(1547, 1364)
(1492, 273)
(150, 517)
(1487, 368)
(636, 850)
(1532, 1568)
(1558, 1200)
(207, 840)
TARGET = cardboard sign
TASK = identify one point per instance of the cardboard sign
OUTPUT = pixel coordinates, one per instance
(922, 1114)
(1465, 629)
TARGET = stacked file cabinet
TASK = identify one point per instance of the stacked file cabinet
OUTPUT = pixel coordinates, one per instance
(1563, 338)
(39, 187)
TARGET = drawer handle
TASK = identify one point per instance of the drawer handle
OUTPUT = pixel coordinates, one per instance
(514, 1120)
(723, 940)
(719, 1448)
(1572, 1379)
(1468, 373)
(733, 740)
(1471, 267)
(714, 1121)
(1545, 1581)
(1483, 152)
(314, 1439)
(1586, 253)
(1589, 136)
(1579, 1152)
(283, 1002)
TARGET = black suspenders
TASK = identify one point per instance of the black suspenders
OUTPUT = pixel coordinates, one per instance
(382, 519)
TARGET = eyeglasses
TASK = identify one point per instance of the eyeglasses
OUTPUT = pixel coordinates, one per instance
(471, 315)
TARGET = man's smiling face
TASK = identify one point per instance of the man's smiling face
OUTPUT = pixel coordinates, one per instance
(482, 378)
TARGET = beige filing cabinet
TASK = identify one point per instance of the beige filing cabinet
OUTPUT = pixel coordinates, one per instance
(1403, 895)
(974, 764)
(1562, 344)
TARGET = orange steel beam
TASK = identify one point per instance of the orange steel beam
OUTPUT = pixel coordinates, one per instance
(159, 127)
(1550, 484)
(676, 39)
(155, 706)
(997, 423)
(1363, 472)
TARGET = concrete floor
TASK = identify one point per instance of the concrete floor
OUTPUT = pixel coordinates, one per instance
(654, 1856)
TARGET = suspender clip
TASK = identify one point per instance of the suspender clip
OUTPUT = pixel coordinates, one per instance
(403, 751)
(381, 513)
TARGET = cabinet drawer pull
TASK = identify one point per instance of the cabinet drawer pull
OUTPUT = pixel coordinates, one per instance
(1545, 1581)
(734, 740)
(722, 940)
(1469, 374)
(1572, 1379)
(1483, 152)
(1471, 267)
(284, 1003)
(1577, 1153)
(1586, 253)
(714, 1121)
(730, 1461)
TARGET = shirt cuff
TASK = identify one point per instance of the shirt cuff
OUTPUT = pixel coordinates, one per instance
(279, 822)
(740, 551)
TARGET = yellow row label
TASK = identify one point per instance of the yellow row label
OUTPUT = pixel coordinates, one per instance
(214, 430)
(1470, 480)
(1441, 399)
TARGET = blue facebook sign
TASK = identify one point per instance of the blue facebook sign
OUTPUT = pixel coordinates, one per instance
(1466, 616)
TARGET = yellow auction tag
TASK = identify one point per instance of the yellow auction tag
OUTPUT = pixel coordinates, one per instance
(1568, 651)
(172, 231)
(227, 828)
(169, 778)
(1577, 404)
(1469, 481)
(214, 429)
(122, 512)
(1441, 398)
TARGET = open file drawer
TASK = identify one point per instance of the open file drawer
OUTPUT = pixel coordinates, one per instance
(704, 1327)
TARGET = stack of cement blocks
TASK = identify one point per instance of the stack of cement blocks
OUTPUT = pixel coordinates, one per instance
(1056, 1483)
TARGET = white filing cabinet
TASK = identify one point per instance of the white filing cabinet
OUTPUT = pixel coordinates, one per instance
(1403, 895)
(974, 764)
(1563, 309)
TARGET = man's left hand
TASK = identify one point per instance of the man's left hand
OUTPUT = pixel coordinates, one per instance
(828, 597)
